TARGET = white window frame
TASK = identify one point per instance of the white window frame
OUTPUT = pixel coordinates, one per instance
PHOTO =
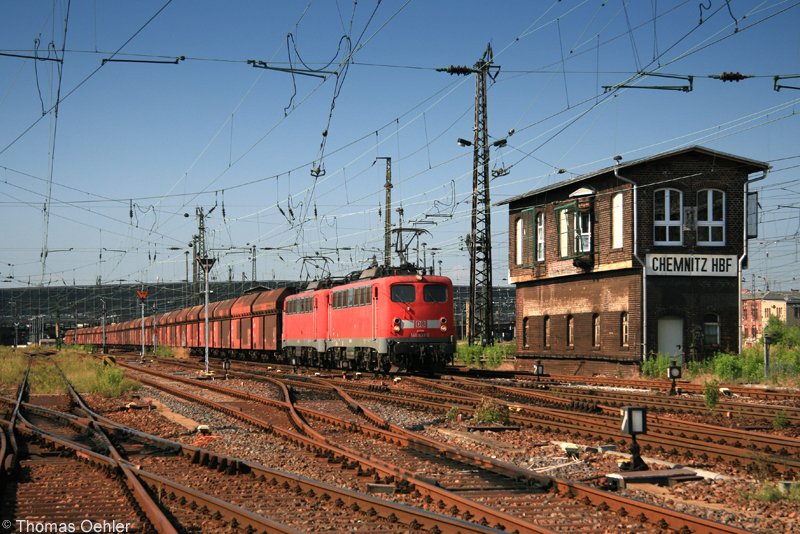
(574, 231)
(711, 323)
(668, 223)
(583, 232)
(540, 236)
(546, 332)
(518, 257)
(617, 215)
(624, 329)
(570, 331)
(706, 220)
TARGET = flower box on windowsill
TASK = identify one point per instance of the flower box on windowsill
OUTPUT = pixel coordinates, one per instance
(584, 261)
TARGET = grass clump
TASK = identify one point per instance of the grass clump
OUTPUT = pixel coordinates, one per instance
(164, 352)
(781, 420)
(89, 375)
(771, 492)
(490, 411)
(453, 413)
(490, 356)
(656, 366)
(711, 394)
(45, 379)
(12, 367)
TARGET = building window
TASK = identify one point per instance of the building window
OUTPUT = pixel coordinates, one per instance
(797, 312)
(667, 217)
(518, 255)
(616, 221)
(753, 332)
(540, 236)
(710, 217)
(574, 231)
(711, 329)
(744, 313)
(596, 330)
(624, 329)
(570, 331)
(525, 332)
(546, 332)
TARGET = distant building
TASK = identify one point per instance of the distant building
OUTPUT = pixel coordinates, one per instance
(643, 257)
(759, 306)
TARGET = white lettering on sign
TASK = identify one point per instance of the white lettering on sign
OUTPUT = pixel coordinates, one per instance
(691, 265)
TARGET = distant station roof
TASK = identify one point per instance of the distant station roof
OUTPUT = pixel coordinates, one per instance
(788, 296)
(754, 164)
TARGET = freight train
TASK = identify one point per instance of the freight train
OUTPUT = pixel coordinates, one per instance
(376, 320)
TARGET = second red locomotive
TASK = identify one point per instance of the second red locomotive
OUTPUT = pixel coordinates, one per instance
(373, 323)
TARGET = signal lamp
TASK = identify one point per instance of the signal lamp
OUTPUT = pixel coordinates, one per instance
(673, 373)
(634, 421)
(443, 328)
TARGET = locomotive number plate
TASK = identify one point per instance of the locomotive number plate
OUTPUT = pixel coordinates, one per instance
(419, 333)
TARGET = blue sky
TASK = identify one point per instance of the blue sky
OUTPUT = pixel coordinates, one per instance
(158, 140)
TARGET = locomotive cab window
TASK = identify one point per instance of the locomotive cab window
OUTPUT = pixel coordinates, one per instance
(434, 293)
(403, 293)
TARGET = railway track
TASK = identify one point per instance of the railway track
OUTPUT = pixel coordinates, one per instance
(677, 438)
(179, 475)
(522, 501)
(771, 394)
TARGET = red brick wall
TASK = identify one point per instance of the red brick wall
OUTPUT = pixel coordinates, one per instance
(608, 295)
(612, 283)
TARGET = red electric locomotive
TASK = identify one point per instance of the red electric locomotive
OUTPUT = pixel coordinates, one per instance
(374, 321)
(389, 323)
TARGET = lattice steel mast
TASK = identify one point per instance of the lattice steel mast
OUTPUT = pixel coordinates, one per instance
(480, 237)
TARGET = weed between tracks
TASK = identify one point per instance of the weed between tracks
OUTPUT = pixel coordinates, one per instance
(12, 366)
(491, 356)
(771, 492)
(89, 375)
(491, 411)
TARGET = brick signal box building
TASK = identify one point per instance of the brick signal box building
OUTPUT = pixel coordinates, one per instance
(640, 258)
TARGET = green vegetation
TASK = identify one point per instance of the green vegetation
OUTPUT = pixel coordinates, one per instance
(164, 352)
(656, 367)
(490, 411)
(90, 375)
(771, 492)
(453, 413)
(45, 378)
(491, 356)
(711, 394)
(12, 367)
(747, 367)
(781, 420)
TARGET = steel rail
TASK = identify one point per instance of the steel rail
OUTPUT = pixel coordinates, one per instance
(151, 509)
(229, 511)
(663, 517)
(478, 512)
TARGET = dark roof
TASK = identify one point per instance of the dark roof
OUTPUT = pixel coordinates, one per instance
(694, 148)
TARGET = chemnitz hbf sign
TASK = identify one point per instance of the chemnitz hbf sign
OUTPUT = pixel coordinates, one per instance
(691, 265)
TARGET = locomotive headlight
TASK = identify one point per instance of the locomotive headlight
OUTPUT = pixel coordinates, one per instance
(396, 324)
(443, 326)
